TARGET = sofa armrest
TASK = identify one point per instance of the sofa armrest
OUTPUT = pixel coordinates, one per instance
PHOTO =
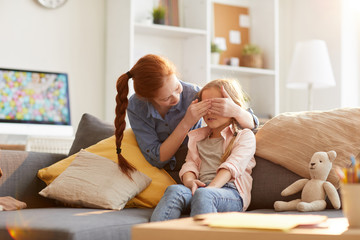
(20, 179)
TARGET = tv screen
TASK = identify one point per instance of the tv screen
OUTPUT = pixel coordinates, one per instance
(34, 97)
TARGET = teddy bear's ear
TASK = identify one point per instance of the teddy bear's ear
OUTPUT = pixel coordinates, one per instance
(332, 155)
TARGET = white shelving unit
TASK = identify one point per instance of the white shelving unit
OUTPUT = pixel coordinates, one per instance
(168, 31)
(188, 46)
(241, 71)
(129, 38)
(262, 85)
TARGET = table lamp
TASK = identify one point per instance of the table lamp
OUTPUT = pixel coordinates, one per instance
(310, 67)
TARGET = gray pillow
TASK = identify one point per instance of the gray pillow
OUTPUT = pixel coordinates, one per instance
(90, 131)
(269, 179)
(20, 179)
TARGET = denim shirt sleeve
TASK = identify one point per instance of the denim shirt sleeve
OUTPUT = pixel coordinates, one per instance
(256, 120)
(147, 139)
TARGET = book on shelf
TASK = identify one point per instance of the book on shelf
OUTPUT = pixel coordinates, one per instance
(172, 12)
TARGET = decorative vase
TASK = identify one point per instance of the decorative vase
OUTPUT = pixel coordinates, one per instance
(253, 60)
(215, 58)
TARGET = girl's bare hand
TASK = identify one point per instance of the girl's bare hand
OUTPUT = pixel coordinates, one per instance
(196, 110)
(225, 106)
(195, 185)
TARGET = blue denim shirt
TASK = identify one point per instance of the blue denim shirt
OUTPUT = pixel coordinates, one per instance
(151, 130)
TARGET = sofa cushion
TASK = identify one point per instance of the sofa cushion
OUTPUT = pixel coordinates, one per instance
(290, 139)
(19, 178)
(90, 131)
(130, 150)
(71, 223)
(269, 179)
(97, 182)
(9, 203)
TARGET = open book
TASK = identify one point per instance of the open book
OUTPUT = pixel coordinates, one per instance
(282, 222)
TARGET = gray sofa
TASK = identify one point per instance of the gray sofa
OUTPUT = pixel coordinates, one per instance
(46, 219)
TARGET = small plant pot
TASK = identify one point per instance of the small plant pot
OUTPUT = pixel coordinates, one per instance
(215, 58)
(159, 21)
(254, 61)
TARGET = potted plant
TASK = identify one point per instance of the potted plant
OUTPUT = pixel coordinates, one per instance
(158, 14)
(251, 56)
(215, 53)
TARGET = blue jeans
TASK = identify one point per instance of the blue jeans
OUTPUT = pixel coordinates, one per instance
(178, 199)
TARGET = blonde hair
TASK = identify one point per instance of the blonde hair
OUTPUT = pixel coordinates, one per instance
(236, 93)
(148, 74)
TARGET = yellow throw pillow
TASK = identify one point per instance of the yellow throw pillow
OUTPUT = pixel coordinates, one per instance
(148, 198)
(290, 139)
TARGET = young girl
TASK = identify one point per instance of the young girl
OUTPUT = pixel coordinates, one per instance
(163, 110)
(217, 172)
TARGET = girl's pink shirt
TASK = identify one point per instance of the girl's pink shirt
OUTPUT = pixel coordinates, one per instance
(240, 162)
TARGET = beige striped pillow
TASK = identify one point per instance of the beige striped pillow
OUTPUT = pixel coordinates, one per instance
(290, 139)
(96, 182)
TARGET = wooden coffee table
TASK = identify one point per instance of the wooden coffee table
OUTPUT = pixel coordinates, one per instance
(187, 228)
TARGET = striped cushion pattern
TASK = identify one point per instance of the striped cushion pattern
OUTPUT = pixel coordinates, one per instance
(290, 139)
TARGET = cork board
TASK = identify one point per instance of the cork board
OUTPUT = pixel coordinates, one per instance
(226, 20)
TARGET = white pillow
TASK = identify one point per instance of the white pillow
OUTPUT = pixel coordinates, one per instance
(96, 182)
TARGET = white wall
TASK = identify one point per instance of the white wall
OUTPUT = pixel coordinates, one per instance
(304, 20)
(350, 53)
(68, 39)
(118, 50)
(335, 22)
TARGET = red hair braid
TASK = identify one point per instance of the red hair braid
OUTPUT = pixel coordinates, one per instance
(149, 74)
(120, 111)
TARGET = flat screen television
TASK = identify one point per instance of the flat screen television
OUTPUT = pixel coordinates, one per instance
(34, 103)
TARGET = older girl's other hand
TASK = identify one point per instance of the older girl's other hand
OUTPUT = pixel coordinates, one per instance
(195, 111)
(225, 106)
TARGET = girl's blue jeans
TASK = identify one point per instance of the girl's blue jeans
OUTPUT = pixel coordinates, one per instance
(178, 200)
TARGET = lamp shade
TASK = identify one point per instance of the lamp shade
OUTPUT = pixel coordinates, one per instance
(310, 65)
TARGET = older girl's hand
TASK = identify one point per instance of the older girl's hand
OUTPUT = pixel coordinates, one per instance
(195, 111)
(225, 106)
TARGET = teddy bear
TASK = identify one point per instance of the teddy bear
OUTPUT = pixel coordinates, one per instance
(314, 190)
